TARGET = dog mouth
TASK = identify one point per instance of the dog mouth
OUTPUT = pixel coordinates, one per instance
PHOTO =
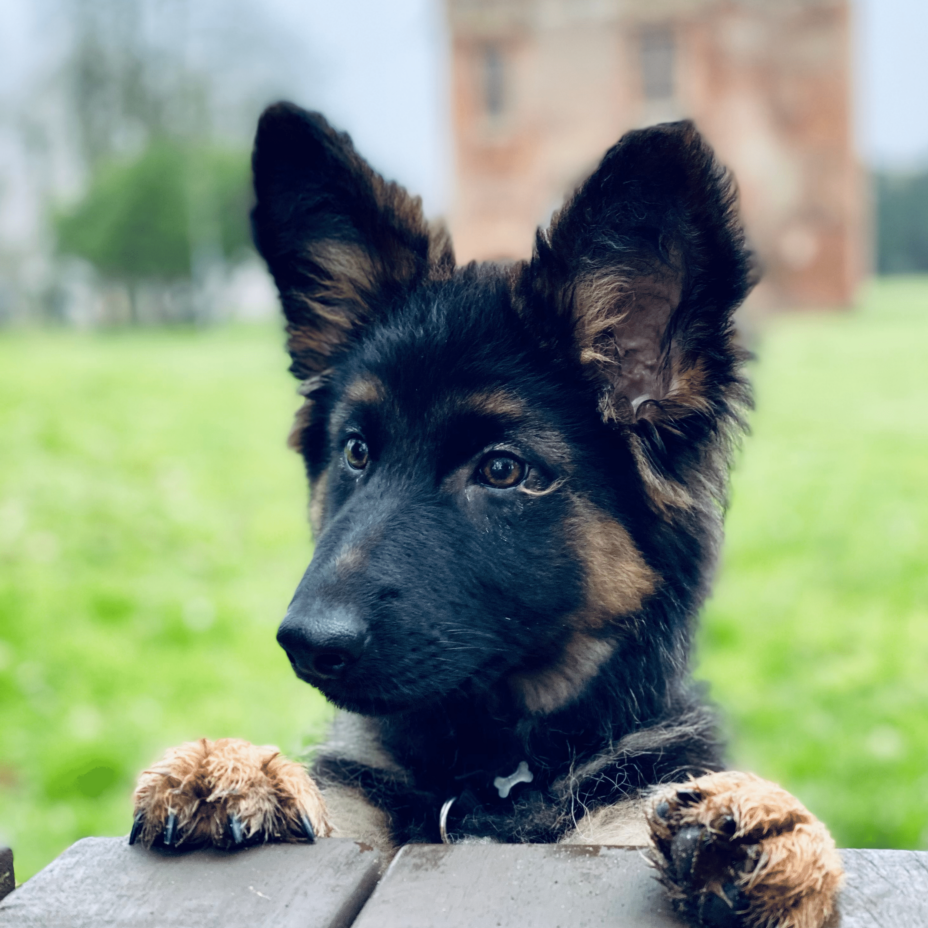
(367, 704)
(362, 700)
(359, 690)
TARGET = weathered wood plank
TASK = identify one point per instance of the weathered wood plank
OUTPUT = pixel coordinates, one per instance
(494, 886)
(885, 889)
(503, 886)
(7, 879)
(103, 882)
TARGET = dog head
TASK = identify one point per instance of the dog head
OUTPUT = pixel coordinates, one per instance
(516, 473)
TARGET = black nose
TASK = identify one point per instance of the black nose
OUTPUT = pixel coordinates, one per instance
(324, 643)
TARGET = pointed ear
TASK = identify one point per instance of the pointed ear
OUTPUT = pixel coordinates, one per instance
(341, 242)
(645, 266)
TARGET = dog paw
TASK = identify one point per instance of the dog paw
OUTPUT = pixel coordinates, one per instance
(736, 851)
(226, 793)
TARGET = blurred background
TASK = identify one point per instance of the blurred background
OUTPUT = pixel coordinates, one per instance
(152, 522)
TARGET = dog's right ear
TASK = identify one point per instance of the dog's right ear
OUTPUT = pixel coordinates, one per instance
(342, 243)
(644, 268)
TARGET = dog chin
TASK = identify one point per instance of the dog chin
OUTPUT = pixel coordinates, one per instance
(371, 705)
(367, 703)
(364, 695)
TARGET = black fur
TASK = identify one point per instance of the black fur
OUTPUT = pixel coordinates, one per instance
(432, 597)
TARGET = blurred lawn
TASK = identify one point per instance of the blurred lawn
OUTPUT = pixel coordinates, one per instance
(816, 641)
(152, 531)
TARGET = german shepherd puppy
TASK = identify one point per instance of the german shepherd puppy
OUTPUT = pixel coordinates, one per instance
(518, 475)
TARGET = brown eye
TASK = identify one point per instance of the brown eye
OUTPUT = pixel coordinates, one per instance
(502, 472)
(356, 453)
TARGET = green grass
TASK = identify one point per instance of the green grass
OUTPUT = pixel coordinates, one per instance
(152, 530)
(816, 641)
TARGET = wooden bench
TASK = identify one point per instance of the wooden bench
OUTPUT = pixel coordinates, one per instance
(337, 883)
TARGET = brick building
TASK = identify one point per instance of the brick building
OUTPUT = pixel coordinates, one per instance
(542, 88)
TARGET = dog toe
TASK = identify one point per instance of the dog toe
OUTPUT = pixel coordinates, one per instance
(226, 793)
(735, 850)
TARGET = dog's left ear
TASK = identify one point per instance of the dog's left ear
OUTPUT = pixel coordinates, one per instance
(643, 268)
(342, 243)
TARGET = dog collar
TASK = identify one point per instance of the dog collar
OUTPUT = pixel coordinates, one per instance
(504, 786)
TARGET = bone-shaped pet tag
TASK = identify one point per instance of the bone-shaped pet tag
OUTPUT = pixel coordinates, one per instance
(505, 784)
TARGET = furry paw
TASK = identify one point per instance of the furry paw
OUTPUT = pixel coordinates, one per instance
(226, 793)
(736, 851)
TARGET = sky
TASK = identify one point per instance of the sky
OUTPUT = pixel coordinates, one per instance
(891, 95)
(380, 70)
(379, 52)
(385, 80)
(381, 73)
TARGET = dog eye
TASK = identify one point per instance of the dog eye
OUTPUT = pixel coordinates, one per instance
(356, 453)
(502, 471)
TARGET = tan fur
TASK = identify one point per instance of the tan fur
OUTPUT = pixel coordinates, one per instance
(348, 561)
(782, 858)
(350, 268)
(304, 414)
(205, 782)
(500, 403)
(664, 493)
(547, 491)
(339, 295)
(624, 824)
(317, 502)
(547, 690)
(617, 578)
(350, 737)
(600, 304)
(689, 385)
(353, 816)
(301, 422)
(367, 389)
(441, 252)
(321, 337)
(621, 316)
(619, 324)
(357, 271)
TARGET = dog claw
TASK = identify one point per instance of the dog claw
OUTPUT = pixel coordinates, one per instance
(235, 826)
(688, 796)
(723, 911)
(308, 828)
(662, 809)
(137, 824)
(685, 848)
(168, 836)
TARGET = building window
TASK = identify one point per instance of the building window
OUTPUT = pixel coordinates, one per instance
(494, 81)
(657, 51)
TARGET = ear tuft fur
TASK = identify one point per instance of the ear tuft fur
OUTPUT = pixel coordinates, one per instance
(643, 269)
(341, 242)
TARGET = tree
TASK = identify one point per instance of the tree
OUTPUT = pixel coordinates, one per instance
(162, 215)
(902, 222)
